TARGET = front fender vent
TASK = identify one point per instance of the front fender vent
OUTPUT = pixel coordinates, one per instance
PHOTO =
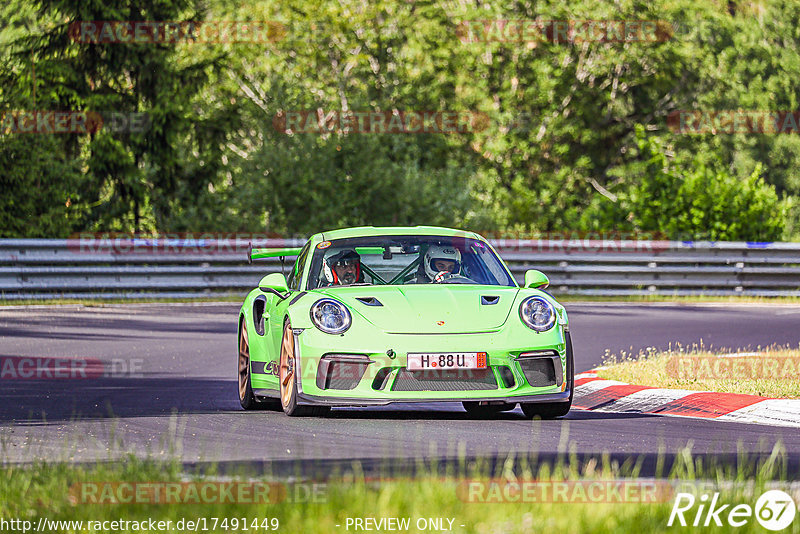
(259, 317)
(487, 300)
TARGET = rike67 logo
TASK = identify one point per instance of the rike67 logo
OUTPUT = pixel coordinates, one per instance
(775, 510)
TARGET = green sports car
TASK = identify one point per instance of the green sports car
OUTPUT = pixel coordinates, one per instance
(371, 316)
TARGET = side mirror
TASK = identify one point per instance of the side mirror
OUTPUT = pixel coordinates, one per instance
(536, 279)
(273, 283)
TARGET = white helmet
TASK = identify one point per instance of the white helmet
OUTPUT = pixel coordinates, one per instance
(436, 252)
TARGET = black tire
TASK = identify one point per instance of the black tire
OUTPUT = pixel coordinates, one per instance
(551, 410)
(247, 398)
(483, 411)
(287, 380)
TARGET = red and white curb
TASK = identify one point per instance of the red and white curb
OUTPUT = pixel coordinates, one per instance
(600, 395)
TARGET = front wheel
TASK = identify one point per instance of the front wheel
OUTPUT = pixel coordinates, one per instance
(551, 410)
(288, 379)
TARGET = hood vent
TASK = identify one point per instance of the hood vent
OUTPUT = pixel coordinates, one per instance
(489, 300)
(369, 301)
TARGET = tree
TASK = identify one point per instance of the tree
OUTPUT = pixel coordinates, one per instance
(134, 179)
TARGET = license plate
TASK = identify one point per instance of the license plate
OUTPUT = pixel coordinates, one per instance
(446, 360)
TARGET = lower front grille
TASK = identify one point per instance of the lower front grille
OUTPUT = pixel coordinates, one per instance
(447, 380)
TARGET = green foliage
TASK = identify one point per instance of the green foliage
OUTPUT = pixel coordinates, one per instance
(132, 179)
(696, 201)
(38, 194)
(561, 152)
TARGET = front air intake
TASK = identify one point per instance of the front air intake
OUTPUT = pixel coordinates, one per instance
(541, 369)
(341, 371)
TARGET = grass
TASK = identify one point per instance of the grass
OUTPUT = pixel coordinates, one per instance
(48, 490)
(106, 302)
(769, 372)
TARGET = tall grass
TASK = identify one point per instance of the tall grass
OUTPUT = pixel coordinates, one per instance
(770, 371)
(430, 490)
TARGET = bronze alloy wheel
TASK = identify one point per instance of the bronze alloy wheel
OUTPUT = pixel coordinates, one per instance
(244, 363)
(288, 379)
(286, 373)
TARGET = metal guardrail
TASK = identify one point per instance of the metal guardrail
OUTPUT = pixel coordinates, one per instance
(59, 268)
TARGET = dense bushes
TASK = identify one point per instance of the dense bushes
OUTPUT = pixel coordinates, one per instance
(577, 140)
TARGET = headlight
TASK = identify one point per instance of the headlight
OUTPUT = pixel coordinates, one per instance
(330, 316)
(537, 313)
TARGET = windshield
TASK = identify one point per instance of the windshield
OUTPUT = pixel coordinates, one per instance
(395, 260)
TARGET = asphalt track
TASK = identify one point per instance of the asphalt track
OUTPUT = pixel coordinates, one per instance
(181, 401)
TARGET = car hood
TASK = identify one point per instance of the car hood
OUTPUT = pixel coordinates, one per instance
(429, 309)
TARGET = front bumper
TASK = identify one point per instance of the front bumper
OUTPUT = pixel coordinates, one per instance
(353, 402)
(383, 359)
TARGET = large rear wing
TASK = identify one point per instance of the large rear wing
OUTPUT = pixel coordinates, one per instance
(264, 253)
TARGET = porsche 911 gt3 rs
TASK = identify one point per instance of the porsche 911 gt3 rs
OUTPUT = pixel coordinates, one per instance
(373, 316)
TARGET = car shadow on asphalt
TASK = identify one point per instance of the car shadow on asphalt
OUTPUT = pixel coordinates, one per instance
(453, 412)
(57, 401)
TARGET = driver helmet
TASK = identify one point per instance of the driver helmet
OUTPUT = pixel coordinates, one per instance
(342, 257)
(437, 252)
